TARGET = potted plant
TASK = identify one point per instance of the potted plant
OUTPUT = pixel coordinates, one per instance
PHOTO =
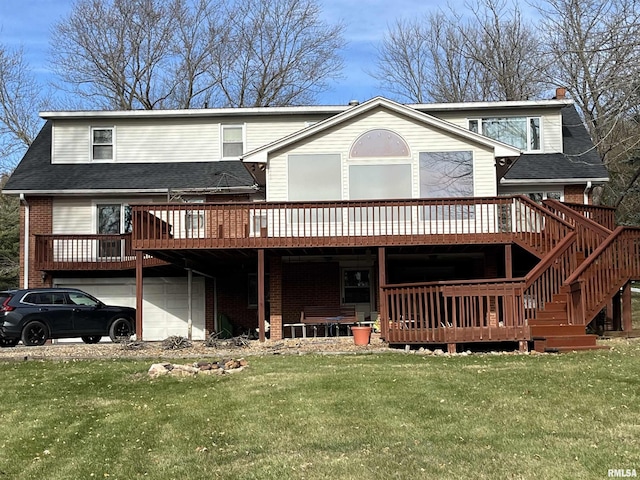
(361, 334)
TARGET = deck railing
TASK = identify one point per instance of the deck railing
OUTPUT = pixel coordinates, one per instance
(548, 277)
(605, 216)
(452, 312)
(347, 223)
(86, 252)
(612, 264)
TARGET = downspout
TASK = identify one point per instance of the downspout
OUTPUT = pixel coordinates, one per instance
(25, 253)
(587, 189)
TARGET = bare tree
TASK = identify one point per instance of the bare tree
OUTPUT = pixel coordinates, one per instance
(449, 57)
(20, 99)
(129, 54)
(276, 52)
(595, 48)
(121, 54)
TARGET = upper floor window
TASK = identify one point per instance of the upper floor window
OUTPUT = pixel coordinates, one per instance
(520, 132)
(378, 143)
(232, 141)
(102, 143)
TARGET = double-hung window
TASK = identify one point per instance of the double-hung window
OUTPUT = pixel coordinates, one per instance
(521, 132)
(232, 141)
(102, 143)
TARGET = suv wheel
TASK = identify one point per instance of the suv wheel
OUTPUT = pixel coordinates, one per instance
(35, 333)
(91, 338)
(120, 330)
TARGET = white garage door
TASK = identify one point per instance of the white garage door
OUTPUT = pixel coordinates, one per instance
(165, 309)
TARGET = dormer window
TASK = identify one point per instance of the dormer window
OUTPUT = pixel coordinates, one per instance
(232, 141)
(102, 143)
(519, 132)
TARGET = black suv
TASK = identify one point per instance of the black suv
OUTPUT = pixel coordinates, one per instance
(38, 314)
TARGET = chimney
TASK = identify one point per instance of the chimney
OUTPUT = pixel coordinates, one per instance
(354, 103)
(561, 93)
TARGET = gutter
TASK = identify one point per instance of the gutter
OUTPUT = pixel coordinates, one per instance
(570, 181)
(25, 252)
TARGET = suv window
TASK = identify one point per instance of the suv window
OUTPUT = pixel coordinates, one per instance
(45, 298)
(82, 299)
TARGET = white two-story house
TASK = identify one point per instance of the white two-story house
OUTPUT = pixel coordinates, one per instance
(430, 217)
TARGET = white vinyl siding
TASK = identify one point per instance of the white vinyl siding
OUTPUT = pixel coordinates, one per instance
(419, 137)
(168, 140)
(78, 215)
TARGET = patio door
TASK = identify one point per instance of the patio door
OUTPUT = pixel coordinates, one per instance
(112, 219)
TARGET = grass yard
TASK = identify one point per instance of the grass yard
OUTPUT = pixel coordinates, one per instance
(377, 416)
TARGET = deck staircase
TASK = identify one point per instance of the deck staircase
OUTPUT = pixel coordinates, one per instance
(602, 262)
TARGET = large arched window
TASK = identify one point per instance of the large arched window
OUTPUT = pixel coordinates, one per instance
(379, 143)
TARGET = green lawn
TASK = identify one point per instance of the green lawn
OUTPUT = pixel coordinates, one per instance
(379, 416)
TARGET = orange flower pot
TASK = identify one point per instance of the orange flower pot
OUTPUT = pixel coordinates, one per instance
(361, 335)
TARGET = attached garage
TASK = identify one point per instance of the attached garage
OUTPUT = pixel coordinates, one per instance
(165, 309)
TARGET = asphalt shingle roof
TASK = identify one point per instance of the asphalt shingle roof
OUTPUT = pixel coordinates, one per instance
(579, 160)
(36, 173)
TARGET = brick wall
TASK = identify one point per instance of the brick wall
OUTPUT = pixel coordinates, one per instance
(275, 298)
(40, 222)
(308, 284)
(574, 193)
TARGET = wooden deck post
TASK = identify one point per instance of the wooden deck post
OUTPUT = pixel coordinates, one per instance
(508, 261)
(614, 312)
(382, 280)
(261, 306)
(139, 294)
(627, 324)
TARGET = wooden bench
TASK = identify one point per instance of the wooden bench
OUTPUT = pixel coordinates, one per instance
(327, 316)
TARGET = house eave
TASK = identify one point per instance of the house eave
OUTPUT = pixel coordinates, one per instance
(528, 181)
(132, 191)
(194, 113)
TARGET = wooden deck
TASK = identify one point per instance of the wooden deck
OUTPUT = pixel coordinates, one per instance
(455, 312)
(87, 252)
(272, 225)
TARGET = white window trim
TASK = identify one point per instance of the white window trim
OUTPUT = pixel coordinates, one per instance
(244, 139)
(526, 117)
(94, 216)
(113, 143)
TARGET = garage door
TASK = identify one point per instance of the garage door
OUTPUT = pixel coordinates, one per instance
(165, 307)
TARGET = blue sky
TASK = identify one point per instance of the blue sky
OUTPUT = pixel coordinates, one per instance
(27, 23)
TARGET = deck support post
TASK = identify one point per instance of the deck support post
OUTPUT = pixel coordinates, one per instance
(139, 294)
(452, 348)
(261, 305)
(627, 325)
(508, 261)
(382, 280)
(614, 312)
(523, 346)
